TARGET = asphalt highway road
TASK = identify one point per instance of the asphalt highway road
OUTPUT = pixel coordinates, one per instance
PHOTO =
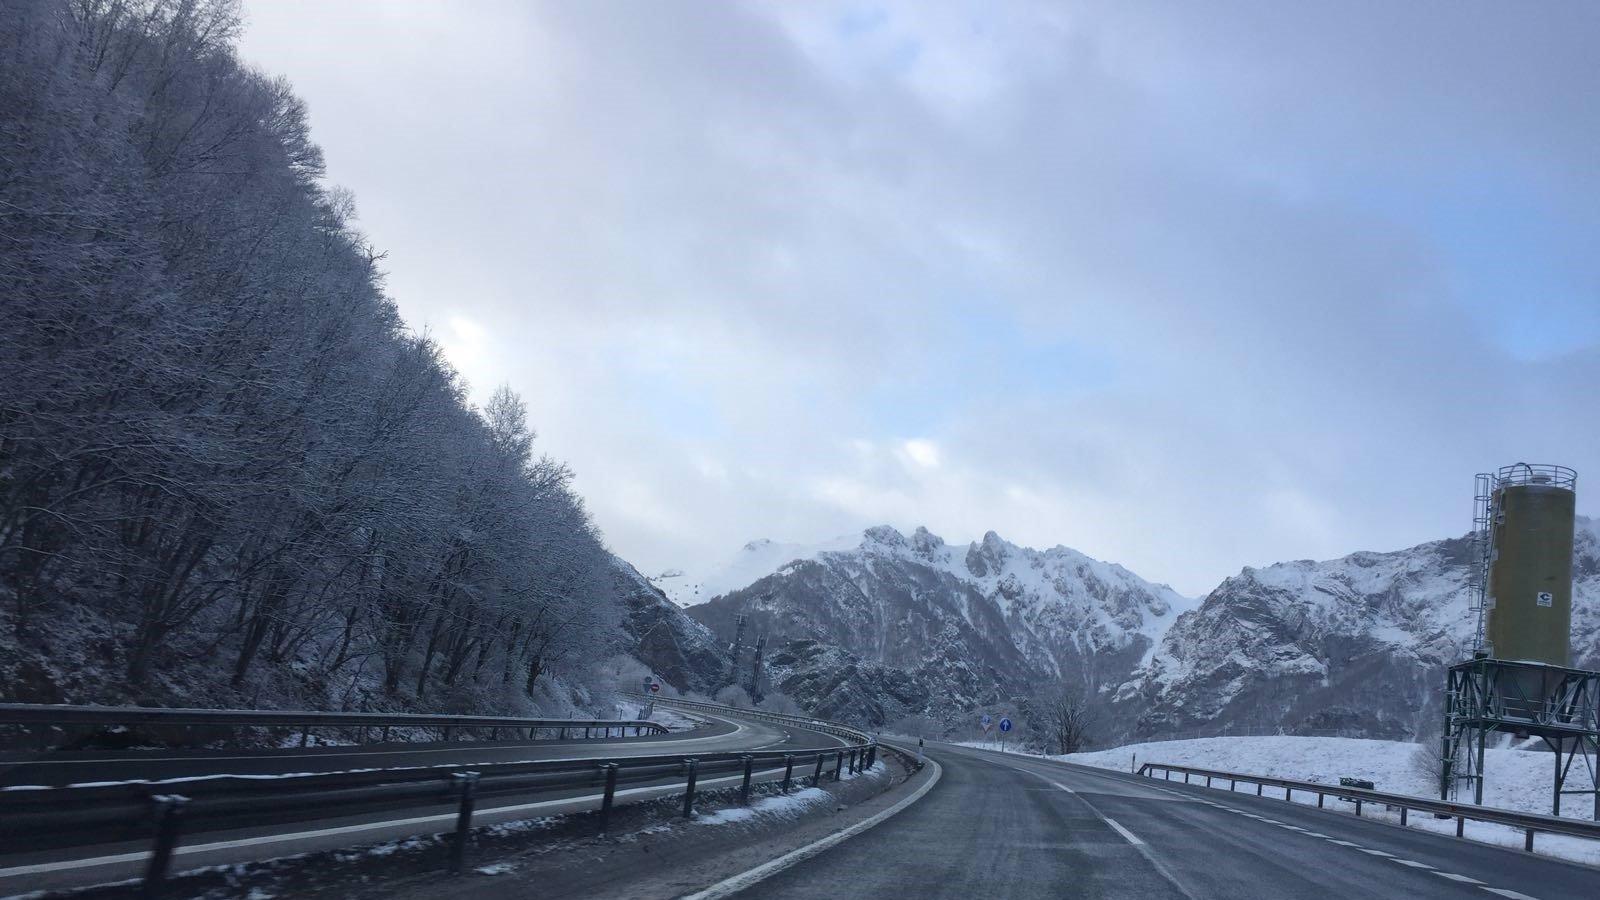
(1008, 826)
(27, 870)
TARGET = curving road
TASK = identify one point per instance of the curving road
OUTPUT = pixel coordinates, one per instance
(1008, 826)
(22, 871)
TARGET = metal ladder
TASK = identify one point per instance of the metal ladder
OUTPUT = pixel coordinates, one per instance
(1483, 522)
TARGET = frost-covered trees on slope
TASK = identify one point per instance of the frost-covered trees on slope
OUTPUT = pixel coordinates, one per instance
(220, 449)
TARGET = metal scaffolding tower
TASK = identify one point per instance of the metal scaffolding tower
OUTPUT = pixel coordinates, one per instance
(1558, 705)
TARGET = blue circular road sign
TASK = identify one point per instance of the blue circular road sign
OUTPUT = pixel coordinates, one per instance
(1005, 724)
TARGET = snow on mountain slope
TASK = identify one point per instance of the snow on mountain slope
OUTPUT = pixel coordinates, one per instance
(1356, 644)
(754, 561)
(986, 619)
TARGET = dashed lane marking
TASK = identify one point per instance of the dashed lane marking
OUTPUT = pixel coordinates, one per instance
(1463, 879)
(1503, 892)
(1130, 836)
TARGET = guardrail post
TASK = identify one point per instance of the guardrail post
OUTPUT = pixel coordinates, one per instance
(1403, 811)
(1358, 807)
(1208, 781)
(788, 770)
(610, 795)
(838, 764)
(1186, 778)
(1461, 825)
(305, 735)
(1259, 786)
(1527, 843)
(169, 815)
(816, 777)
(586, 732)
(1233, 785)
(744, 789)
(1288, 794)
(447, 732)
(384, 736)
(688, 793)
(1320, 795)
(468, 782)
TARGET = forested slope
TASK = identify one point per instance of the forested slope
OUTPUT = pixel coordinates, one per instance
(228, 472)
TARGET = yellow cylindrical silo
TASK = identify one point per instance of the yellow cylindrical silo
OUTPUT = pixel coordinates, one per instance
(1530, 573)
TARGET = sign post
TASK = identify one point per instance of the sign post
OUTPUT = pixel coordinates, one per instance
(986, 723)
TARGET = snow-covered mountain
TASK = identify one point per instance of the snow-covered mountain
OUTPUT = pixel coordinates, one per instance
(754, 561)
(676, 648)
(1355, 645)
(950, 627)
(895, 625)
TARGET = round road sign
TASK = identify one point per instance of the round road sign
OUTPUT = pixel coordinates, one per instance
(1005, 724)
(655, 687)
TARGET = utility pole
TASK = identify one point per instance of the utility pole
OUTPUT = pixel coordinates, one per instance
(755, 670)
(737, 649)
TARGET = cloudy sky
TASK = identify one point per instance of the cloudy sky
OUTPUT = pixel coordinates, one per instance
(1185, 286)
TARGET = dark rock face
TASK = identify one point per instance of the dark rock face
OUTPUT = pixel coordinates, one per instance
(680, 651)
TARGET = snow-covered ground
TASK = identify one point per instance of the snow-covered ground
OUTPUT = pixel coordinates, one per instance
(1516, 779)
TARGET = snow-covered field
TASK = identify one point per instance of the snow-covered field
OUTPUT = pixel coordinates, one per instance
(1516, 779)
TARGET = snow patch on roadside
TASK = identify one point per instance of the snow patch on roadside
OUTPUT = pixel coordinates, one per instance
(1516, 779)
(784, 806)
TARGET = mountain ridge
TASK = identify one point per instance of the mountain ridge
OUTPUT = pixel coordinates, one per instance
(1353, 645)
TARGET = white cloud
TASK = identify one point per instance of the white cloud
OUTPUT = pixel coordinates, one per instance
(922, 453)
(1183, 287)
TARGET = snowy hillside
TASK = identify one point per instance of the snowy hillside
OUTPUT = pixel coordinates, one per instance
(1356, 644)
(754, 561)
(963, 623)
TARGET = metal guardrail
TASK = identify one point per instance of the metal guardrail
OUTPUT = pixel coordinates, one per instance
(806, 722)
(1529, 823)
(46, 715)
(56, 817)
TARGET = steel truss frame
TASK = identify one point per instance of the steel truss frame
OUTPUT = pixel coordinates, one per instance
(1561, 706)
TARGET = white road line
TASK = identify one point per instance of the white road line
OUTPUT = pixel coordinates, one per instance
(185, 850)
(1130, 836)
(729, 886)
(1375, 852)
(1412, 863)
(1454, 877)
(1342, 843)
(1507, 892)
